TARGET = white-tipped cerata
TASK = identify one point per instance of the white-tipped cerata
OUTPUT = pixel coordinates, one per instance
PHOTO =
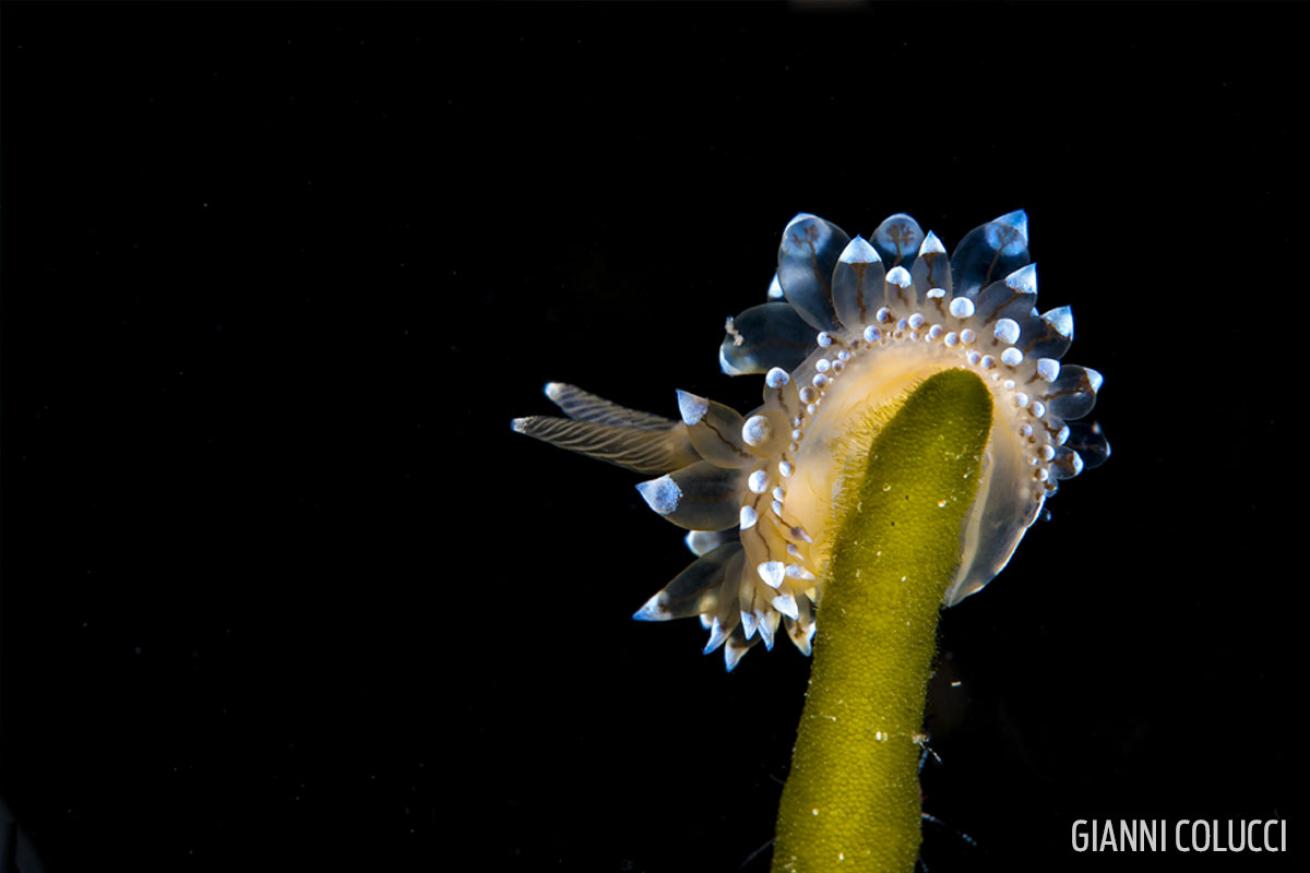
(691, 407)
(786, 604)
(717, 636)
(899, 276)
(661, 495)
(1007, 331)
(931, 245)
(773, 573)
(733, 653)
(1024, 279)
(702, 542)
(652, 611)
(858, 251)
(756, 431)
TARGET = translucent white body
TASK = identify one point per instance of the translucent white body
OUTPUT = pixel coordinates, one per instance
(862, 324)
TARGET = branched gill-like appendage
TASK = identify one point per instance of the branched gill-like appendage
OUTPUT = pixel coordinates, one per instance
(851, 333)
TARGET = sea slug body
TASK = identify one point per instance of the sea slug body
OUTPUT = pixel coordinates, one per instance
(849, 328)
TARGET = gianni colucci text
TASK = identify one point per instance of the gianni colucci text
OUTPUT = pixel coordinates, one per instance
(1183, 835)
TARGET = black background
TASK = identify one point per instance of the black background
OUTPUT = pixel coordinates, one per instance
(281, 588)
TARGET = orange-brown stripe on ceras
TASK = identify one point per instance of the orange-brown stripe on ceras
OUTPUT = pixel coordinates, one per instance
(851, 801)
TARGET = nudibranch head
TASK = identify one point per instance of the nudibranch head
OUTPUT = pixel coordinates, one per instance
(849, 328)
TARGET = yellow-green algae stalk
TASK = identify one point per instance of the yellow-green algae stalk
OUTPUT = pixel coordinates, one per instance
(852, 801)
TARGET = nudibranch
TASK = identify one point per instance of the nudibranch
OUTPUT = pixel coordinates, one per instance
(850, 326)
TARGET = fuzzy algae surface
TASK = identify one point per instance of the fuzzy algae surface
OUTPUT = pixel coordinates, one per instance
(852, 799)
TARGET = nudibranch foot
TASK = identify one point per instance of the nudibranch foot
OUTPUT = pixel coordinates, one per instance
(849, 328)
